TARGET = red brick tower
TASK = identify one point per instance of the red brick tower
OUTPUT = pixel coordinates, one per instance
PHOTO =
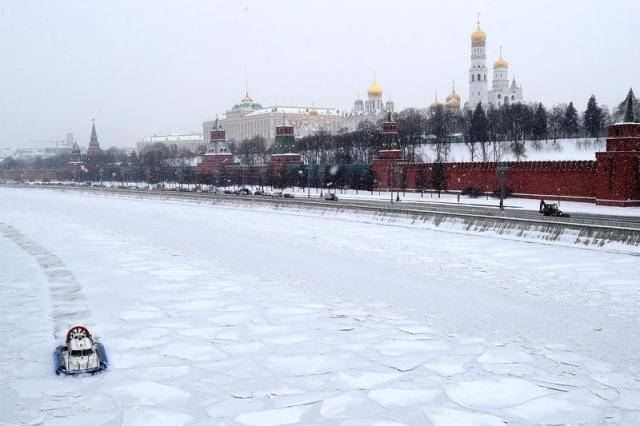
(283, 150)
(217, 156)
(390, 157)
(94, 146)
(618, 175)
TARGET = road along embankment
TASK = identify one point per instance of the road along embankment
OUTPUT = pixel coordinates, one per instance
(603, 233)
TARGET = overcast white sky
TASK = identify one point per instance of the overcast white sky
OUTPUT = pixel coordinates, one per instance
(145, 67)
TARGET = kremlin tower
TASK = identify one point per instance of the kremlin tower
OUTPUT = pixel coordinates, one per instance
(94, 146)
(217, 155)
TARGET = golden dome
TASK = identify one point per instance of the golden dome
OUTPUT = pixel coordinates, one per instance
(375, 89)
(453, 95)
(435, 104)
(500, 63)
(478, 36)
(453, 103)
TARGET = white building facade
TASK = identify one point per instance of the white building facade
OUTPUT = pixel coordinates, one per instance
(190, 142)
(502, 91)
(372, 110)
(249, 119)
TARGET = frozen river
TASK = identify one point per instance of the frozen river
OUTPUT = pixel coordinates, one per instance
(218, 315)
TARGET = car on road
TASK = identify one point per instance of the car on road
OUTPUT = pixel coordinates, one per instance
(331, 197)
(258, 192)
(287, 195)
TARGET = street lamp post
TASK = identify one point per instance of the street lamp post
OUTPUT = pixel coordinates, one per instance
(501, 170)
(398, 191)
(391, 181)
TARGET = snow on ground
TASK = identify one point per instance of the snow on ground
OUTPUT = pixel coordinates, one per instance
(445, 198)
(549, 150)
(220, 315)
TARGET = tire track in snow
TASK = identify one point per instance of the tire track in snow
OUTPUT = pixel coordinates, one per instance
(68, 303)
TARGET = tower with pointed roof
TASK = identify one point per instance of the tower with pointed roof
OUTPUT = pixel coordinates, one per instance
(218, 155)
(618, 178)
(283, 152)
(285, 142)
(94, 146)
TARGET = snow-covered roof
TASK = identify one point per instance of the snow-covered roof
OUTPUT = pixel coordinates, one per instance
(174, 137)
(295, 110)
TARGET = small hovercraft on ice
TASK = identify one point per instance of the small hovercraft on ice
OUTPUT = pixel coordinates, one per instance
(81, 355)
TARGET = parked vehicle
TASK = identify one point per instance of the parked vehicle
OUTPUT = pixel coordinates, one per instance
(331, 197)
(287, 195)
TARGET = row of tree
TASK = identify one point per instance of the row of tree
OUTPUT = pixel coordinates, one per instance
(439, 128)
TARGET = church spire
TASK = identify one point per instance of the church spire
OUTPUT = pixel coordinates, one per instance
(629, 116)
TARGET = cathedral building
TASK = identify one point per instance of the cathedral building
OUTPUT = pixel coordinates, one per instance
(502, 92)
(372, 110)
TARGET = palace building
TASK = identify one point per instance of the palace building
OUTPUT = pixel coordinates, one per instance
(248, 119)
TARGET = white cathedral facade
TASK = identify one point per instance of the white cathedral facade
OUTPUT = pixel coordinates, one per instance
(502, 91)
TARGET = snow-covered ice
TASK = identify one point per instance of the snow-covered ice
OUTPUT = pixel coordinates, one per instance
(220, 315)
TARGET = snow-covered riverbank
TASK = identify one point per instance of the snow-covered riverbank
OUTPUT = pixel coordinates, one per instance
(218, 315)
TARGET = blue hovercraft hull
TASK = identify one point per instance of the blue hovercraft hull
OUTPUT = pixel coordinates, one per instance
(59, 364)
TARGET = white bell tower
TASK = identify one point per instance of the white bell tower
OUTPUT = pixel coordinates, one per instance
(478, 71)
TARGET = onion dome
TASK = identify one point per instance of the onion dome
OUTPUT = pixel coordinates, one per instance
(453, 95)
(435, 104)
(478, 36)
(374, 90)
(500, 63)
(247, 103)
(453, 103)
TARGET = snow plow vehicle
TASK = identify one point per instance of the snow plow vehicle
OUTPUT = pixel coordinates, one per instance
(551, 209)
(81, 354)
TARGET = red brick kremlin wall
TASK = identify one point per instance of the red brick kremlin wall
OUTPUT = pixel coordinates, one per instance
(573, 179)
(612, 179)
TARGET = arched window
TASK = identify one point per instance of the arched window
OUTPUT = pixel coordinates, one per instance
(479, 77)
(499, 95)
(472, 77)
(513, 97)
